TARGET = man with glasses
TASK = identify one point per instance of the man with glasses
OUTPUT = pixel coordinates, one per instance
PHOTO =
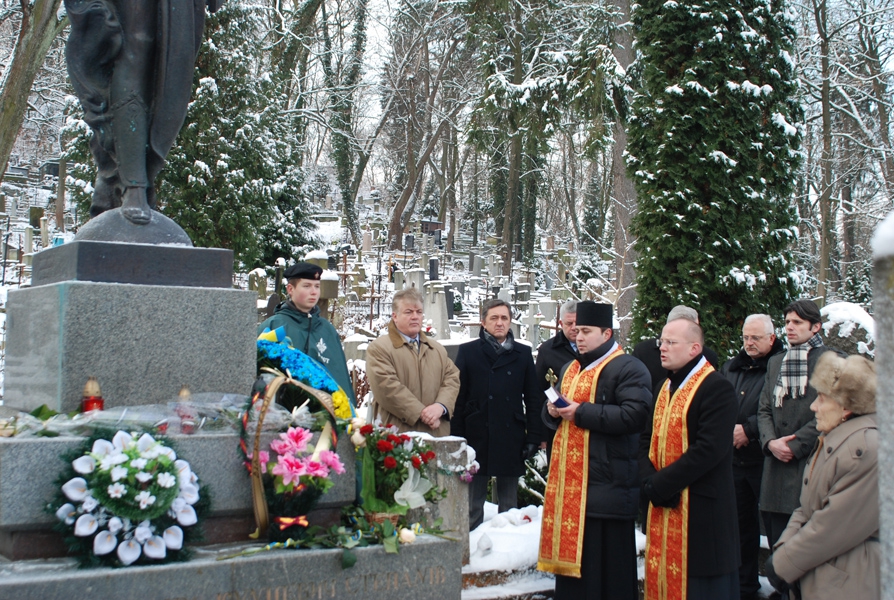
(747, 372)
(685, 463)
(649, 352)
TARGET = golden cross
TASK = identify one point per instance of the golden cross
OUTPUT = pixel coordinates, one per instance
(551, 377)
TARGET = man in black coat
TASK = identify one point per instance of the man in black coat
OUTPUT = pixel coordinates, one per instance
(649, 352)
(556, 352)
(747, 372)
(498, 408)
(686, 470)
(610, 406)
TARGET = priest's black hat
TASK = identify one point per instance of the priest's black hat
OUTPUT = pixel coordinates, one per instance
(303, 270)
(593, 314)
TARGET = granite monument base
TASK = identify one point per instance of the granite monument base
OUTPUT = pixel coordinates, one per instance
(26, 490)
(143, 264)
(429, 568)
(142, 342)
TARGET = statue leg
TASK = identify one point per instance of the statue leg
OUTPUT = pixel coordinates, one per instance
(131, 90)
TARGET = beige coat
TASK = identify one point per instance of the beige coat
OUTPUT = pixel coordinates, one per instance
(831, 542)
(404, 382)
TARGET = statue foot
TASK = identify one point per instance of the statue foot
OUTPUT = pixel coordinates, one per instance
(135, 206)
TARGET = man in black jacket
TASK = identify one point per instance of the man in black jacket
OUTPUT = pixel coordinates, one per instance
(556, 352)
(587, 535)
(747, 372)
(692, 539)
(498, 408)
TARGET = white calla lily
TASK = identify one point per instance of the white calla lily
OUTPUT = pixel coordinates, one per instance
(155, 547)
(85, 525)
(143, 532)
(358, 439)
(189, 492)
(84, 464)
(412, 492)
(184, 473)
(173, 537)
(129, 551)
(186, 516)
(168, 452)
(75, 489)
(115, 524)
(145, 442)
(122, 440)
(104, 542)
(67, 513)
(102, 447)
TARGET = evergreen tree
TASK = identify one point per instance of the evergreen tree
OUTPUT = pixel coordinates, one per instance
(713, 154)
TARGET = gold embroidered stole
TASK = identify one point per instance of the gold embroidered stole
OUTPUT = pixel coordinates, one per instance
(667, 542)
(565, 500)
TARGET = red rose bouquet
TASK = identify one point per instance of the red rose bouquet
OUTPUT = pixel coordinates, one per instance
(396, 469)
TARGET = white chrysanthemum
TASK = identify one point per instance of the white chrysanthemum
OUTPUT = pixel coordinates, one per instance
(143, 532)
(146, 499)
(143, 477)
(111, 460)
(166, 480)
(115, 524)
(119, 473)
(139, 463)
(116, 490)
(89, 504)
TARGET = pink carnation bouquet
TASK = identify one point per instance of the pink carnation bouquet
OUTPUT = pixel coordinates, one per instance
(296, 474)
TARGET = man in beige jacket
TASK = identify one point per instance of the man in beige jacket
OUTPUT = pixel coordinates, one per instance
(413, 381)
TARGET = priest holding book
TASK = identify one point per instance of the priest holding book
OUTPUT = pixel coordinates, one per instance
(600, 406)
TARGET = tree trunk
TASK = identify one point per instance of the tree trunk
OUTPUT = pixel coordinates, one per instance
(624, 192)
(825, 198)
(39, 28)
(510, 216)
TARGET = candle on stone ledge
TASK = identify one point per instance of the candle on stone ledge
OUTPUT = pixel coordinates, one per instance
(92, 396)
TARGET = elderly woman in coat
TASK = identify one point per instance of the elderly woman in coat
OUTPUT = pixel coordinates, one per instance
(831, 544)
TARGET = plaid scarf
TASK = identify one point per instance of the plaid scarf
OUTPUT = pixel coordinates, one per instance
(792, 380)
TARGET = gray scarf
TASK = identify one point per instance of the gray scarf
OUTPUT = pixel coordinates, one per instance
(499, 348)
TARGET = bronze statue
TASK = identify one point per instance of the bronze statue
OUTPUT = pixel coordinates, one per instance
(131, 64)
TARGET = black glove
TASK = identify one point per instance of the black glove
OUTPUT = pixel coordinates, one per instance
(530, 450)
(656, 500)
(775, 580)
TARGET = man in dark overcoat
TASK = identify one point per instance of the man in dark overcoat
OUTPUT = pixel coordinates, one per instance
(556, 352)
(747, 372)
(692, 539)
(498, 408)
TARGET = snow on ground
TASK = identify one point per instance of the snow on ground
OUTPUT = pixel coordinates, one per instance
(509, 542)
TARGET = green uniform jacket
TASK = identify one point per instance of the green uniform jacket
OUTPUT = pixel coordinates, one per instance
(316, 337)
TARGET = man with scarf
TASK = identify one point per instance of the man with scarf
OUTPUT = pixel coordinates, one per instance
(592, 493)
(685, 462)
(787, 425)
(498, 408)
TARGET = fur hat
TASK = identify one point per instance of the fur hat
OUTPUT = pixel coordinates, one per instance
(849, 381)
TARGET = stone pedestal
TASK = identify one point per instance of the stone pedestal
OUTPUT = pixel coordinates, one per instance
(142, 342)
(428, 569)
